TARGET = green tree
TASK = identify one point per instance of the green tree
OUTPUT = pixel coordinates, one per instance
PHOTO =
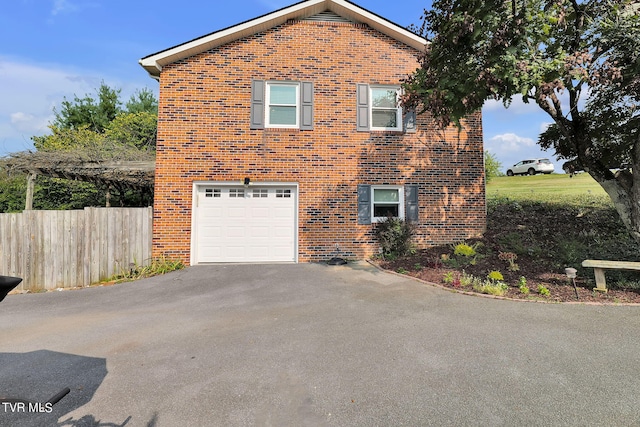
(12, 191)
(66, 139)
(492, 166)
(579, 61)
(89, 112)
(142, 101)
(134, 129)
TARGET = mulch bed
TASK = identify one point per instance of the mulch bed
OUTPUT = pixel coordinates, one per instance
(561, 289)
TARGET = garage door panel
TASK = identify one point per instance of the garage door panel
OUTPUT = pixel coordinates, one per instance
(236, 232)
(234, 225)
(259, 231)
(282, 232)
(236, 212)
(282, 212)
(212, 231)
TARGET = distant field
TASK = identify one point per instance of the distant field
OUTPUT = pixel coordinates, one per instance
(549, 188)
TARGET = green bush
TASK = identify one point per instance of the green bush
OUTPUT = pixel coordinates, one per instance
(490, 287)
(448, 278)
(495, 276)
(463, 249)
(395, 236)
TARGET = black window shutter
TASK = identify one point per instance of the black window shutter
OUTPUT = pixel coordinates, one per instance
(364, 204)
(410, 121)
(411, 202)
(306, 106)
(362, 107)
(257, 104)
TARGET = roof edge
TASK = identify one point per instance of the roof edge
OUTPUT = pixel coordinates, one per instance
(155, 62)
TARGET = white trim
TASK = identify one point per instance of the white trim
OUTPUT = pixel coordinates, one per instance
(154, 63)
(267, 104)
(400, 188)
(261, 184)
(398, 108)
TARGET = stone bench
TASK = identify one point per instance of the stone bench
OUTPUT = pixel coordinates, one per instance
(600, 266)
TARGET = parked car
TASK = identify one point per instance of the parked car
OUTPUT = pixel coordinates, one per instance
(531, 167)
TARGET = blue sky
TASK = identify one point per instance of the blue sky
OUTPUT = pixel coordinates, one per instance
(51, 49)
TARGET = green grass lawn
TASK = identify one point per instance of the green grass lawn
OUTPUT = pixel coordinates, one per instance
(553, 188)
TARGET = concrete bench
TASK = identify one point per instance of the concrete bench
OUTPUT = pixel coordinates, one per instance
(600, 266)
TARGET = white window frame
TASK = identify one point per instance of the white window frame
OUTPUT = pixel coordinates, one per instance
(268, 105)
(398, 108)
(400, 190)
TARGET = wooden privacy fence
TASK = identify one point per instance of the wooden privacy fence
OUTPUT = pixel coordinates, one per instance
(66, 249)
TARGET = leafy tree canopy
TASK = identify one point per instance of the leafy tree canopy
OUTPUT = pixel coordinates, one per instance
(90, 122)
(142, 101)
(94, 114)
(492, 166)
(579, 61)
(88, 135)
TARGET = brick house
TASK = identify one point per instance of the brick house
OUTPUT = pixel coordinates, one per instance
(280, 140)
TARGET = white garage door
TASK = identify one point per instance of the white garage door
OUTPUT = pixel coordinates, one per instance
(237, 224)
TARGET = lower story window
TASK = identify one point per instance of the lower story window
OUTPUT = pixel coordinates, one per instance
(387, 201)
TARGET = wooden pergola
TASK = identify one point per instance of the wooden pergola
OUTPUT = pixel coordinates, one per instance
(113, 172)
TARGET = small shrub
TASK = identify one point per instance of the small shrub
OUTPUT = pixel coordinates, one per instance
(448, 278)
(402, 270)
(522, 285)
(462, 249)
(543, 290)
(466, 279)
(490, 287)
(395, 237)
(417, 266)
(511, 258)
(464, 254)
(495, 276)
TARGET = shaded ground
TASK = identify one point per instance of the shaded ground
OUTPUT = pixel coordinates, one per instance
(545, 238)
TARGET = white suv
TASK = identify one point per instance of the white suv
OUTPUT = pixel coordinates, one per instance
(531, 167)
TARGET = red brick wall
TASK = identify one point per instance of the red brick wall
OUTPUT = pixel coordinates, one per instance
(204, 135)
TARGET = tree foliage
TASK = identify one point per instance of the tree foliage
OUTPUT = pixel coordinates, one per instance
(142, 101)
(92, 129)
(89, 112)
(579, 61)
(492, 166)
(134, 129)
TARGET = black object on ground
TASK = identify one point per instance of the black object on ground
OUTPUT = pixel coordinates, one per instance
(7, 283)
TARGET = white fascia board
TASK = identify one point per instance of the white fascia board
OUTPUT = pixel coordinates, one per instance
(357, 14)
(154, 63)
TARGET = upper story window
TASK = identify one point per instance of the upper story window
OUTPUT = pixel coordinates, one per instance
(378, 109)
(385, 111)
(282, 105)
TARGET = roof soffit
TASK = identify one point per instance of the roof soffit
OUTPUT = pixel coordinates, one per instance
(154, 63)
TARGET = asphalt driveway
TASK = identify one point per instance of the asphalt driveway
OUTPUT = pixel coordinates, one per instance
(313, 345)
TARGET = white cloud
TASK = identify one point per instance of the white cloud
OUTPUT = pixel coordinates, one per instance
(29, 92)
(544, 126)
(517, 106)
(27, 97)
(63, 6)
(509, 142)
(28, 123)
